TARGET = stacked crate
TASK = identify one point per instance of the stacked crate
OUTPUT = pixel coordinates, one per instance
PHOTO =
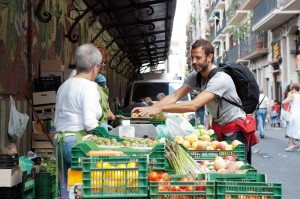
(44, 106)
(10, 177)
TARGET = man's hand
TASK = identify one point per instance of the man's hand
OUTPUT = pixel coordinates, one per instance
(147, 111)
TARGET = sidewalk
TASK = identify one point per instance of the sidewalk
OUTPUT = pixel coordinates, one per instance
(269, 157)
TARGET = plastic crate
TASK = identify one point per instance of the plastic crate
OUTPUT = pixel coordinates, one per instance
(14, 192)
(207, 190)
(247, 177)
(157, 159)
(101, 132)
(111, 182)
(8, 161)
(79, 152)
(45, 186)
(238, 152)
(237, 190)
(47, 83)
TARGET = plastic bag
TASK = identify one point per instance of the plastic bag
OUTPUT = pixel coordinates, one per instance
(17, 122)
(178, 125)
(285, 115)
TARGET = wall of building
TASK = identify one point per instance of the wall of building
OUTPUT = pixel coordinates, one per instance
(24, 41)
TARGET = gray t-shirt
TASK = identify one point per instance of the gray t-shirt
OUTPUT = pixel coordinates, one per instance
(221, 85)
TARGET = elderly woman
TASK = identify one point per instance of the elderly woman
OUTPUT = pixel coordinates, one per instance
(77, 108)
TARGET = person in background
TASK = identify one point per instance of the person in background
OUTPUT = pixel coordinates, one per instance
(130, 107)
(202, 54)
(293, 128)
(286, 107)
(200, 115)
(261, 113)
(148, 101)
(77, 109)
(275, 114)
(160, 96)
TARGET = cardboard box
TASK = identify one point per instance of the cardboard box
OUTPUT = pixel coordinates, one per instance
(51, 65)
(10, 177)
(47, 97)
(53, 73)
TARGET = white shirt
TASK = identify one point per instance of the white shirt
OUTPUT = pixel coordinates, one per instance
(77, 105)
(265, 102)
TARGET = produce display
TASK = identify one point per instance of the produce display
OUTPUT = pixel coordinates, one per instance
(181, 162)
(126, 141)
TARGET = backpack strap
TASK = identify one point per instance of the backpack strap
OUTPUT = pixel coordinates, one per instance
(210, 75)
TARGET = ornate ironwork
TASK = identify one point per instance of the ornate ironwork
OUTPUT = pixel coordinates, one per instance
(44, 17)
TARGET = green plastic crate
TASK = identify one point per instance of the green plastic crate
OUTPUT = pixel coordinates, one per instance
(45, 186)
(111, 182)
(79, 152)
(101, 132)
(206, 192)
(237, 190)
(247, 177)
(238, 152)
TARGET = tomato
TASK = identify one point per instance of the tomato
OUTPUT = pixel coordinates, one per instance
(165, 176)
(175, 188)
(183, 184)
(153, 176)
(163, 188)
(201, 186)
(189, 188)
(190, 179)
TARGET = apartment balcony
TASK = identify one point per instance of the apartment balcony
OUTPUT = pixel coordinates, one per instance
(220, 4)
(212, 9)
(254, 46)
(289, 4)
(213, 33)
(233, 53)
(220, 35)
(269, 14)
(247, 4)
(235, 14)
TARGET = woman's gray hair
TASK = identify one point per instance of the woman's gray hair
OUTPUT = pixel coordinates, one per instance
(86, 57)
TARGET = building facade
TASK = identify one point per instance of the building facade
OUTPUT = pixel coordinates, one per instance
(261, 34)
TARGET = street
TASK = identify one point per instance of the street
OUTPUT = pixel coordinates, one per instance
(269, 157)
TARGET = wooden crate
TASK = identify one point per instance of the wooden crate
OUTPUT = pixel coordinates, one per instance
(44, 112)
(41, 144)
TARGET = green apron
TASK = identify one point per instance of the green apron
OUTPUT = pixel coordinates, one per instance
(104, 93)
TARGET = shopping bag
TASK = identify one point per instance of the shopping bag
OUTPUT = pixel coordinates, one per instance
(285, 115)
(17, 122)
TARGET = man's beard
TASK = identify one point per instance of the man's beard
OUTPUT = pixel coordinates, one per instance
(202, 67)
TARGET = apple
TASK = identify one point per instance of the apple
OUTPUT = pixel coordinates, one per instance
(221, 146)
(203, 132)
(202, 145)
(234, 143)
(178, 139)
(214, 144)
(195, 145)
(228, 147)
(205, 138)
(209, 148)
(200, 126)
(186, 144)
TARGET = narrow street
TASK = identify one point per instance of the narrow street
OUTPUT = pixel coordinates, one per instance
(269, 157)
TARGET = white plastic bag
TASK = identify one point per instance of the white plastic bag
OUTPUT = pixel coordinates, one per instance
(178, 125)
(285, 115)
(17, 122)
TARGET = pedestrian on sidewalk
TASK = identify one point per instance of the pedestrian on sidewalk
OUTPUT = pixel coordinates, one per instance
(262, 112)
(293, 127)
(275, 114)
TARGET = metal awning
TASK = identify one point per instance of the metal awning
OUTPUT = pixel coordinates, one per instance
(140, 31)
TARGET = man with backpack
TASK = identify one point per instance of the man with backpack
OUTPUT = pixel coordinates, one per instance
(218, 93)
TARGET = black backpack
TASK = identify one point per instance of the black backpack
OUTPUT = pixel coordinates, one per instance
(245, 84)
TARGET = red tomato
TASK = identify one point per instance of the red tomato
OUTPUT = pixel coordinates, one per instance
(175, 188)
(189, 188)
(190, 179)
(163, 188)
(201, 186)
(183, 184)
(153, 176)
(165, 176)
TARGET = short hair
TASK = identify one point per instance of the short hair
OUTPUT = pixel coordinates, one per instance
(296, 87)
(86, 57)
(206, 45)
